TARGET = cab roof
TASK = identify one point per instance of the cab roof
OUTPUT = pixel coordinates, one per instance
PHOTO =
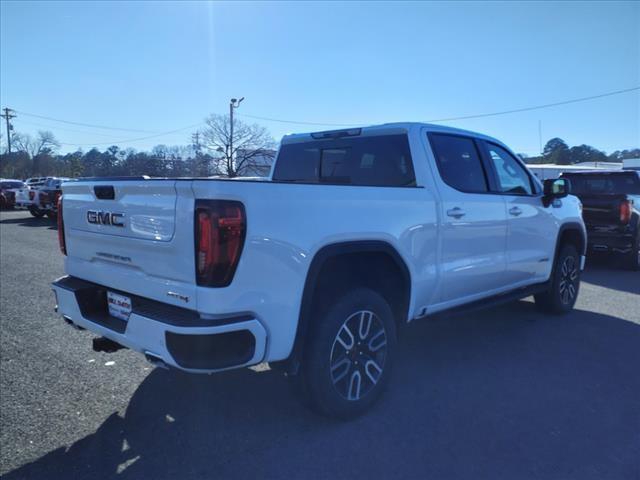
(389, 128)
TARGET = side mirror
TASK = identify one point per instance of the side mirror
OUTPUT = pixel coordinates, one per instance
(556, 188)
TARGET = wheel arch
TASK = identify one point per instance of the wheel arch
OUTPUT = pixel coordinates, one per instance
(347, 261)
(572, 232)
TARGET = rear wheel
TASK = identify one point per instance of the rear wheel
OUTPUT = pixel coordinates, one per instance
(564, 283)
(632, 260)
(36, 212)
(349, 356)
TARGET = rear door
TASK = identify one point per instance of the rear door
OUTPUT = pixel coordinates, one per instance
(531, 228)
(474, 223)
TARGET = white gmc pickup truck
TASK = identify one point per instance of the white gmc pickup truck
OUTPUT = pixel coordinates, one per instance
(355, 234)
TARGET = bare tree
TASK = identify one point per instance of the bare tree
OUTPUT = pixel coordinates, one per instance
(253, 146)
(45, 142)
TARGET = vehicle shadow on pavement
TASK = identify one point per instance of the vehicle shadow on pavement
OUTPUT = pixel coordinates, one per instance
(502, 394)
(609, 273)
(31, 222)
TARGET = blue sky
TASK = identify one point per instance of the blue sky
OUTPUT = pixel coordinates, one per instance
(162, 66)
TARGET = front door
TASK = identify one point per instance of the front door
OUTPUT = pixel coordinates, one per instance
(531, 228)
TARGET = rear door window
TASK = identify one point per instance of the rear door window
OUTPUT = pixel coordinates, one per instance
(459, 162)
(382, 160)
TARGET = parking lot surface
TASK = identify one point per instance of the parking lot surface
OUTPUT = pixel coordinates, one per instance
(506, 393)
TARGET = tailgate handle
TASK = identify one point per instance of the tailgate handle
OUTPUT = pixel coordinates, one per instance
(104, 192)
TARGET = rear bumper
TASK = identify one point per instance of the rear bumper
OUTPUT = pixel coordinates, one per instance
(621, 243)
(177, 336)
(23, 204)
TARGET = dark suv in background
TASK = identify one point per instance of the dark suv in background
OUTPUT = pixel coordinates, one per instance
(611, 204)
(8, 192)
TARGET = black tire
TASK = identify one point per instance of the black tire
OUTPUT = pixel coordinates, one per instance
(564, 284)
(36, 212)
(632, 260)
(343, 373)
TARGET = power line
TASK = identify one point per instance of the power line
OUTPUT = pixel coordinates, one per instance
(464, 117)
(537, 107)
(130, 140)
(296, 122)
(82, 124)
(68, 129)
(155, 134)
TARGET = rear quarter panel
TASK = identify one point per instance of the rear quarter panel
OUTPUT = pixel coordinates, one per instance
(288, 223)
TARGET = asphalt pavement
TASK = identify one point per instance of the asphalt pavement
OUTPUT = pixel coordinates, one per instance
(506, 393)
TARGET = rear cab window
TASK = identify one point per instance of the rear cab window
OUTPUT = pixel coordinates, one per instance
(604, 184)
(371, 160)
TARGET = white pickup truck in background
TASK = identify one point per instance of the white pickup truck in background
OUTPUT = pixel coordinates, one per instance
(357, 233)
(26, 196)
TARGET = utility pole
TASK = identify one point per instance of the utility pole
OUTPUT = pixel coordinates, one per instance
(235, 103)
(8, 115)
(540, 135)
(195, 140)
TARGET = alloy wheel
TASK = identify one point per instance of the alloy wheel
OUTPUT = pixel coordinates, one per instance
(568, 280)
(358, 355)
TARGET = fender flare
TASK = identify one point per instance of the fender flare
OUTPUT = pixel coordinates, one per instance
(567, 227)
(320, 258)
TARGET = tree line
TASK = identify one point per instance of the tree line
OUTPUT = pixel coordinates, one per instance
(557, 151)
(212, 152)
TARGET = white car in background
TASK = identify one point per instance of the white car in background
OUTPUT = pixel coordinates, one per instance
(28, 196)
(23, 199)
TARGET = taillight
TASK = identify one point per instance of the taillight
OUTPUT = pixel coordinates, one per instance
(220, 228)
(61, 239)
(625, 211)
(32, 194)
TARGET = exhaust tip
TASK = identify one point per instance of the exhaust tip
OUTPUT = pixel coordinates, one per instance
(70, 322)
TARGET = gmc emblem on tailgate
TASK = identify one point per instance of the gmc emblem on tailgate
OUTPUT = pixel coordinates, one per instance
(98, 217)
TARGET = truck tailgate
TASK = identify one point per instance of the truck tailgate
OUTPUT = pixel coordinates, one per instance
(602, 210)
(132, 235)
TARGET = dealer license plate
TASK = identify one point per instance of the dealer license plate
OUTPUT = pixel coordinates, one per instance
(119, 305)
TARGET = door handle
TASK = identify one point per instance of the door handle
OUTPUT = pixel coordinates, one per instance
(456, 212)
(515, 211)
